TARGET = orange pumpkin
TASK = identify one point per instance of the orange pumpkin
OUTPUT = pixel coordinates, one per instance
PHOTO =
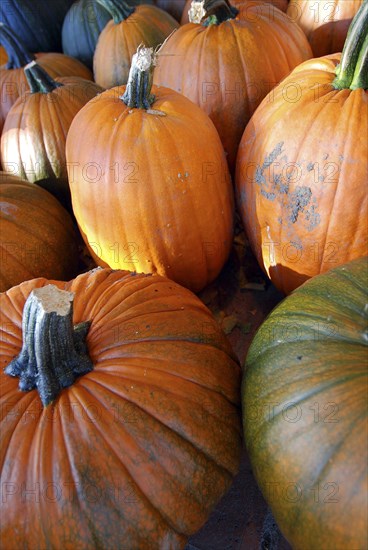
(34, 133)
(137, 437)
(130, 26)
(37, 236)
(302, 166)
(227, 65)
(13, 82)
(150, 188)
(325, 22)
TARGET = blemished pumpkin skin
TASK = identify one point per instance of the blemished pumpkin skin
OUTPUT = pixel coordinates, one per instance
(228, 68)
(35, 130)
(304, 395)
(137, 452)
(243, 6)
(325, 22)
(37, 235)
(13, 82)
(302, 172)
(151, 193)
(118, 42)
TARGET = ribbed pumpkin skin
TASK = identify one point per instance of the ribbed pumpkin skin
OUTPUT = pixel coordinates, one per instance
(151, 193)
(302, 174)
(37, 237)
(13, 82)
(82, 26)
(118, 43)
(305, 410)
(325, 22)
(228, 69)
(136, 453)
(38, 22)
(35, 130)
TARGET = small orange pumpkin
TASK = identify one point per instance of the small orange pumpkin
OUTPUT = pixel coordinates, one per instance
(13, 82)
(35, 129)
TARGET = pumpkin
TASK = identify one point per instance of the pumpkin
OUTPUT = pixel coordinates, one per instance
(227, 65)
(38, 22)
(150, 188)
(325, 22)
(305, 410)
(37, 236)
(302, 168)
(35, 129)
(129, 27)
(13, 81)
(133, 443)
(82, 26)
(243, 6)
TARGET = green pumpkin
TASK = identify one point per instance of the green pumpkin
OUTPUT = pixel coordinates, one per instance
(305, 410)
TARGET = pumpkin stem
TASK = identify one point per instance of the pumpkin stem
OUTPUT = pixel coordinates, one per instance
(39, 80)
(54, 353)
(211, 12)
(118, 9)
(138, 89)
(352, 72)
(18, 55)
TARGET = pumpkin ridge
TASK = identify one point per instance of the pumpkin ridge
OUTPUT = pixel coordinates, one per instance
(32, 401)
(343, 274)
(337, 186)
(330, 383)
(171, 374)
(161, 422)
(324, 299)
(136, 484)
(266, 423)
(354, 425)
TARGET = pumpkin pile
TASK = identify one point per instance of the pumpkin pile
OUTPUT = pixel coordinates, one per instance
(143, 145)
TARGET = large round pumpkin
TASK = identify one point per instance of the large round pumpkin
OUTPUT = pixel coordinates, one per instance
(136, 452)
(150, 187)
(37, 236)
(35, 129)
(325, 22)
(305, 410)
(129, 27)
(227, 64)
(302, 167)
(13, 82)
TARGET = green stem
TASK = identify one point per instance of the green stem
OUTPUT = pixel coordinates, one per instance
(18, 55)
(118, 9)
(138, 89)
(352, 72)
(54, 353)
(39, 80)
